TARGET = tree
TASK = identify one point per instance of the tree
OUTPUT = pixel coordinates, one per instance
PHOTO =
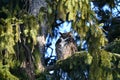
(21, 26)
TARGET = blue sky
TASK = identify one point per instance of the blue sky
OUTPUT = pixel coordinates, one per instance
(115, 11)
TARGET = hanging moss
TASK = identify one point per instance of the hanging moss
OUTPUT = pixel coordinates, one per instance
(11, 37)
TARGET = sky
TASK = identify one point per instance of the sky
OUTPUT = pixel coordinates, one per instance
(115, 11)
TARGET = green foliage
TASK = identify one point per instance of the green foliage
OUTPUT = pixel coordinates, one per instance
(75, 65)
(114, 46)
(100, 68)
(41, 76)
(96, 38)
(114, 30)
(14, 28)
(19, 73)
(37, 61)
(105, 66)
(9, 36)
(116, 66)
(5, 74)
(30, 30)
(72, 6)
(19, 28)
(10, 8)
(105, 58)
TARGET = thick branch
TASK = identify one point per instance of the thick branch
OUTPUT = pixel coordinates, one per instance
(76, 60)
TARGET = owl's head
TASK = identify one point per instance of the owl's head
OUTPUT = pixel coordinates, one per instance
(65, 38)
(66, 35)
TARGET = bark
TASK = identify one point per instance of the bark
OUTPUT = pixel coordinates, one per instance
(35, 6)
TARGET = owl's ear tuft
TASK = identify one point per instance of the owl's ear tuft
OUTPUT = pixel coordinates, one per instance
(61, 33)
(70, 33)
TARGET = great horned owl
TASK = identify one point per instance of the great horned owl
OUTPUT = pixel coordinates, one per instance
(65, 46)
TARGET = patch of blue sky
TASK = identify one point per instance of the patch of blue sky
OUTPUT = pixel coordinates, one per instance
(106, 7)
(115, 11)
(63, 28)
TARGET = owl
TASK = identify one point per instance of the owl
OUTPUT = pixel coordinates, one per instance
(65, 46)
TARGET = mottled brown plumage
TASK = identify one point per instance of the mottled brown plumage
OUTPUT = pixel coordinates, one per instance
(65, 46)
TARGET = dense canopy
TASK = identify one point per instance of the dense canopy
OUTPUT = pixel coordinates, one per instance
(25, 24)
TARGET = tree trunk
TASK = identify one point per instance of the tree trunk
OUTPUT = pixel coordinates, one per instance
(34, 8)
(29, 66)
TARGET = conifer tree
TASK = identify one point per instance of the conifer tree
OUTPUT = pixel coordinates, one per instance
(24, 25)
